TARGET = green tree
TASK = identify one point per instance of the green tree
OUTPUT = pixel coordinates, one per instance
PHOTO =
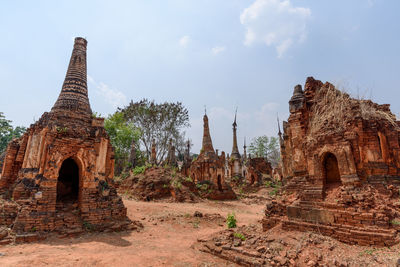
(159, 122)
(266, 147)
(121, 135)
(7, 132)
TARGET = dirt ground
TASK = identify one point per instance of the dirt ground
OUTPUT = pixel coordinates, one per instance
(170, 230)
(174, 236)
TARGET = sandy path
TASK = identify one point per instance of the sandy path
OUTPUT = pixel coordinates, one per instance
(169, 231)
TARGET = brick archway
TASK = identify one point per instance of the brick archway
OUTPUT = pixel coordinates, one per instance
(219, 182)
(253, 179)
(330, 169)
(68, 181)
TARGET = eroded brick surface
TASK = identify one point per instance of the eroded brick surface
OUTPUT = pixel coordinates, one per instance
(59, 175)
(341, 164)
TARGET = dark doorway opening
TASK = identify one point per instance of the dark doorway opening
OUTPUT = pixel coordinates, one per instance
(68, 182)
(331, 176)
(219, 182)
(252, 179)
(331, 169)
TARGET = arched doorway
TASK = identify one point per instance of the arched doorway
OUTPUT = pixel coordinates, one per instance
(219, 182)
(68, 182)
(331, 169)
(252, 179)
(331, 176)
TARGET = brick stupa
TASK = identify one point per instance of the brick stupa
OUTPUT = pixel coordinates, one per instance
(209, 168)
(59, 175)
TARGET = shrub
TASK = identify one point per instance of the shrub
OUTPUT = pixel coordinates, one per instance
(240, 236)
(139, 170)
(231, 220)
(173, 172)
(188, 179)
(202, 187)
(268, 184)
(88, 226)
(124, 175)
(274, 192)
(176, 184)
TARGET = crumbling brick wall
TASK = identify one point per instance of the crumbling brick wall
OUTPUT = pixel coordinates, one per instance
(256, 169)
(340, 156)
(32, 166)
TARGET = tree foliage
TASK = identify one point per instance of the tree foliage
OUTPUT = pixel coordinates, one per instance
(159, 122)
(8, 132)
(266, 147)
(121, 135)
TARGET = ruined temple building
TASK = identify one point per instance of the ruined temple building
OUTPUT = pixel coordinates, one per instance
(171, 157)
(244, 151)
(210, 167)
(240, 169)
(257, 171)
(132, 154)
(59, 175)
(235, 160)
(153, 156)
(187, 161)
(341, 159)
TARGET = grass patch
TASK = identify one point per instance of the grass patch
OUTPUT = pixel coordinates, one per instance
(367, 252)
(276, 187)
(395, 222)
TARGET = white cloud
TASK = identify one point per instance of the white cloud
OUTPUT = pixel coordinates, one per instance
(275, 23)
(271, 106)
(218, 49)
(91, 80)
(112, 96)
(184, 41)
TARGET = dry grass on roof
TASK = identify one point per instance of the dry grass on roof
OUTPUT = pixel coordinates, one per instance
(333, 109)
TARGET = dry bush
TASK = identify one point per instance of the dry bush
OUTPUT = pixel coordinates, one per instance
(369, 112)
(333, 109)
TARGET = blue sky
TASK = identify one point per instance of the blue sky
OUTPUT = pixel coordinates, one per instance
(218, 53)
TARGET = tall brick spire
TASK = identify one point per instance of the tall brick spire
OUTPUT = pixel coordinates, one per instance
(73, 100)
(244, 150)
(235, 150)
(207, 143)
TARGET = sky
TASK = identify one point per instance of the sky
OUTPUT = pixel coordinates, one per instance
(221, 54)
